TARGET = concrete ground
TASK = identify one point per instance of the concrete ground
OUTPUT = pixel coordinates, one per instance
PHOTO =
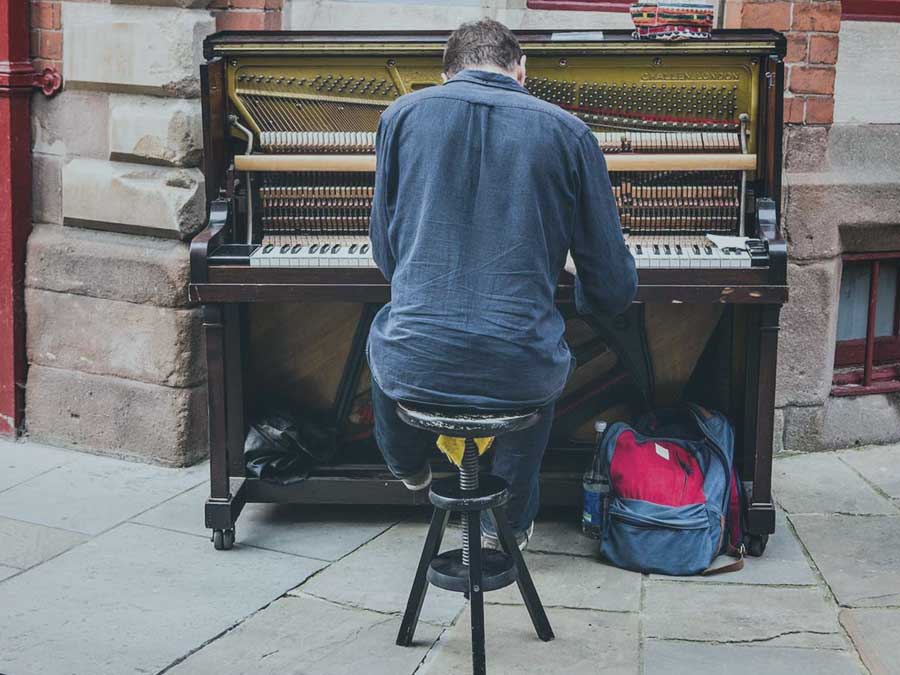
(105, 567)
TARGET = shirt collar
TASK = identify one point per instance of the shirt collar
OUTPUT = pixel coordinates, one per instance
(488, 79)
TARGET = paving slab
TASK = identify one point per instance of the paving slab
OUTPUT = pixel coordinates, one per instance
(6, 572)
(783, 563)
(92, 494)
(325, 532)
(20, 461)
(878, 465)
(858, 556)
(558, 534)
(780, 617)
(134, 600)
(378, 576)
(307, 635)
(685, 658)
(822, 483)
(874, 633)
(586, 642)
(24, 545)
(576, 582)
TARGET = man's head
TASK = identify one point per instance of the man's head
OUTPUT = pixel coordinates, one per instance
(484, 45)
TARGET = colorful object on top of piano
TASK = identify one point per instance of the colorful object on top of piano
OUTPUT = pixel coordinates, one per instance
(672, 21)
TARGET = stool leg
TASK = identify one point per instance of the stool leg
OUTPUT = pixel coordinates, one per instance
(523, 578)
(476, 597)
(420, 583)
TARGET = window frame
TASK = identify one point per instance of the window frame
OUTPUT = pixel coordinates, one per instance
(870, 361)
(870, 10)
(582, 5)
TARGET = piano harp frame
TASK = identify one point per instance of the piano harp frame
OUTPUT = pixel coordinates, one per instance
(224, 284)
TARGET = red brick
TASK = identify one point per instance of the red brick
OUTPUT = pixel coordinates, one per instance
(806, 80)
(248, 20)
(248, 4)
(35, 42)
(793, 110)
(823, 48)
(774, 15)
(274, 4)
(218, 4)
(796, 47)
(239, 20)
(823, 17)
(51, 44)
(820, 110)
(273, 20)
(45, 15)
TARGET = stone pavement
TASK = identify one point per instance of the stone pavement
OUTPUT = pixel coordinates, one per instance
(105, 568)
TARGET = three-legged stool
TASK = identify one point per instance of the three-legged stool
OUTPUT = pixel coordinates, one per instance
(470, 570)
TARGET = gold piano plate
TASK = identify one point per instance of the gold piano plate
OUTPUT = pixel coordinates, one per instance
(681, 93)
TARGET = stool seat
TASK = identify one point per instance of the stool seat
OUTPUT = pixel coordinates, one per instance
(465, 423)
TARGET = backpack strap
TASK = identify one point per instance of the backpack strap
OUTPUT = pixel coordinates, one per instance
(729, 567)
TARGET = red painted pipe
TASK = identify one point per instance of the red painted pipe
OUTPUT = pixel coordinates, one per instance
(16, 84)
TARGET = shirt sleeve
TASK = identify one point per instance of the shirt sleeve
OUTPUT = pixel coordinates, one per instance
(606, 279)
(380, 218)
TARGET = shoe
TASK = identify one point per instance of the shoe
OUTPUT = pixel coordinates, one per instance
(522, 539)
(418, 481)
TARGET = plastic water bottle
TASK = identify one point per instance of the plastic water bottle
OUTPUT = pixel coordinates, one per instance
(596, 492)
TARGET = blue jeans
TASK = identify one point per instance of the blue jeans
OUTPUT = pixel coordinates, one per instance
(516, 456)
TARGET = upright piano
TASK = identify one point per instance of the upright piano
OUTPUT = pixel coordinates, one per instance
(283, 270)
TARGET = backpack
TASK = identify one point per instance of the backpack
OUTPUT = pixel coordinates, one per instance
(675, 500)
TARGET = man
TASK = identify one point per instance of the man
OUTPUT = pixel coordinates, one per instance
(481, 190)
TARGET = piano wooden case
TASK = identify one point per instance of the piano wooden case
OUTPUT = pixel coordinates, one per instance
(692, 135)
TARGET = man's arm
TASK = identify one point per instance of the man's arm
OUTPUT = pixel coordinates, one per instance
(380, 217)
(606, 280)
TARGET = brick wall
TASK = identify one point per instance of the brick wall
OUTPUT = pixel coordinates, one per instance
(46, 34)
(811, 28)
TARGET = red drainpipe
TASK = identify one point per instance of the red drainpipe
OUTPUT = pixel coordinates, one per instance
(17, 80)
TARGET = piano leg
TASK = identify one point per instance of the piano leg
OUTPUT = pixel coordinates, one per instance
(763, 341)
(221, 507)
(234, 396)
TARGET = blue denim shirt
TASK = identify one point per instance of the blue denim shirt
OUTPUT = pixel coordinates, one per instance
(480, 191)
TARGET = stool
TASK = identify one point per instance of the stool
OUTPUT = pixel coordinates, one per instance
(470, 570)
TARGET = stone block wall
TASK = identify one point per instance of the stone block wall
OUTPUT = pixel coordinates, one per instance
(116, 359)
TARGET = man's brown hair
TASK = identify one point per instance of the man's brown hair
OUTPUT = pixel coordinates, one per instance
(479, 43)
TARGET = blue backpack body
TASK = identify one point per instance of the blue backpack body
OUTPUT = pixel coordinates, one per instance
(675, 501)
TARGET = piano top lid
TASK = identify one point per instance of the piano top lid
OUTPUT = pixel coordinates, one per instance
(256, 43)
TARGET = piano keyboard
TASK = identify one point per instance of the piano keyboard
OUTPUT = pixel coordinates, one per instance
(684, 253)
(321, 252)
(648, 252)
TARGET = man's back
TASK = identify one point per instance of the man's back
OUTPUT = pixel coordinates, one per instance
(481, 190)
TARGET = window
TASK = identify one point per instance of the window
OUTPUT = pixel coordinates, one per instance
(582, 5)
(867, 354)
(870, 10)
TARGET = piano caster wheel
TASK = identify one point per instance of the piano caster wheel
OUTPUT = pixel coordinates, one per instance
(756, 544)
(223, 540)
